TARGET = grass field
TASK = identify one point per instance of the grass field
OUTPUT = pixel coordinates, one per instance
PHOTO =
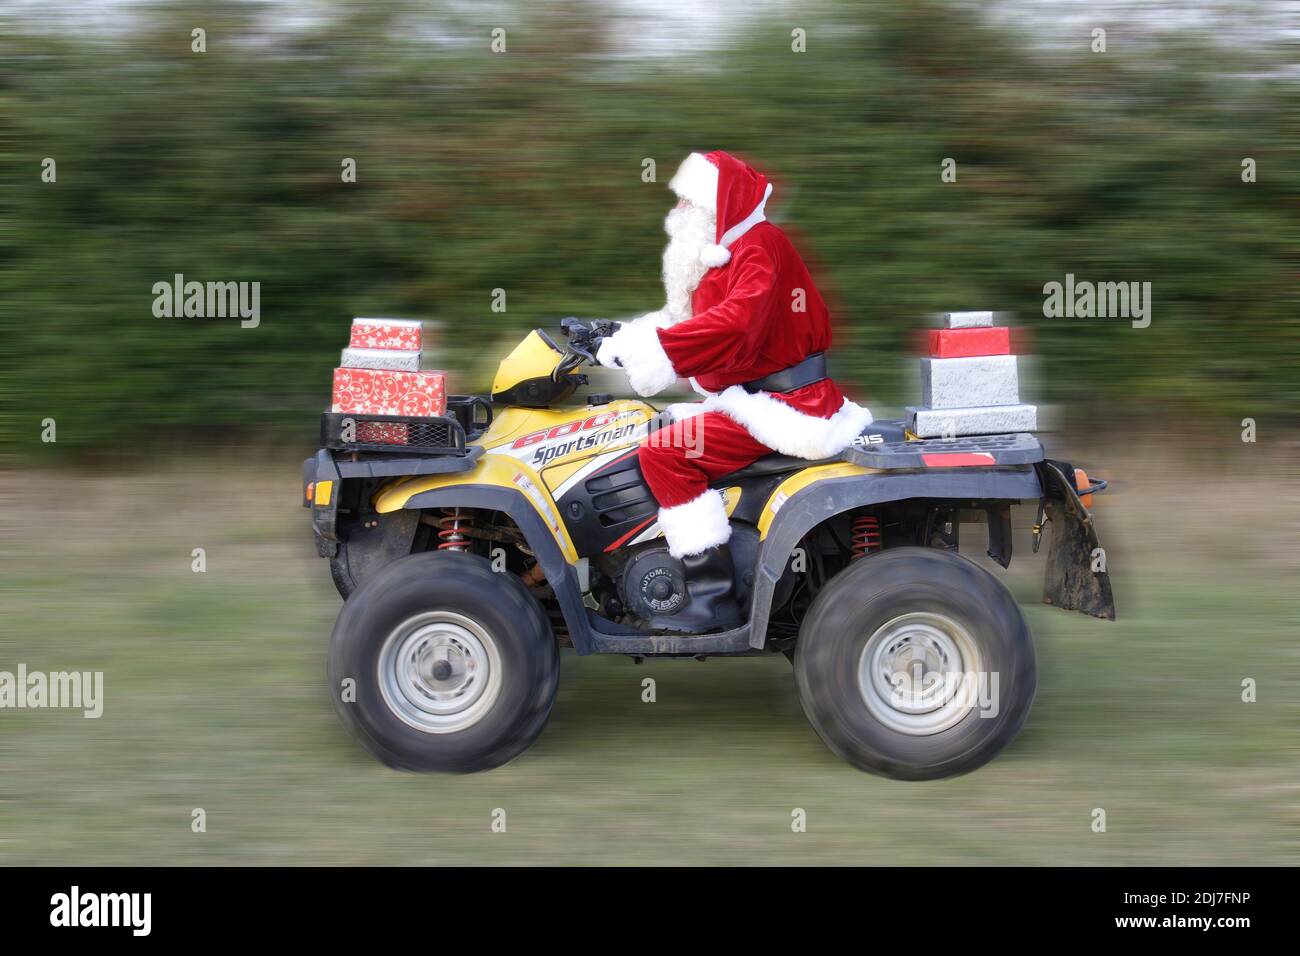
(216, 698)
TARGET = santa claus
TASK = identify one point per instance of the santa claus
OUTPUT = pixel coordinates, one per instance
(745, 323)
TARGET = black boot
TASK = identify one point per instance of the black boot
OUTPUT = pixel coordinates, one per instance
(711, 595)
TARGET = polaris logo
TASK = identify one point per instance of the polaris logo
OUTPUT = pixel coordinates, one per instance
(869, 440)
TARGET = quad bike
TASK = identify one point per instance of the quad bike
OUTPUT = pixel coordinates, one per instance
(469, 548)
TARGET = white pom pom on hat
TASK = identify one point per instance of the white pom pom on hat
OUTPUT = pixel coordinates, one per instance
(714, 255)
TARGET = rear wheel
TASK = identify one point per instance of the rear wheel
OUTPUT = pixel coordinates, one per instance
(438, 663)
(915, 663)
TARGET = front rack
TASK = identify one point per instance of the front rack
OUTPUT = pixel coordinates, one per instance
(406, 434)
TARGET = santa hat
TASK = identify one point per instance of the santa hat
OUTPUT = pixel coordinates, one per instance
(730, 188)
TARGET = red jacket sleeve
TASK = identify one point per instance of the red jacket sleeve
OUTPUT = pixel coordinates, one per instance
(728, 334)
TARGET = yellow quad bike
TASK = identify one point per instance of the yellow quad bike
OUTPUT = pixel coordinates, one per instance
(470, 548)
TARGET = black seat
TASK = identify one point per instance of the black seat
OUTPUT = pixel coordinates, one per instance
(774, 464)
(778, 464)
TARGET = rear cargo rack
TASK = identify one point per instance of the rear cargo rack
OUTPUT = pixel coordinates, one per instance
(407, 434)
(988, 450)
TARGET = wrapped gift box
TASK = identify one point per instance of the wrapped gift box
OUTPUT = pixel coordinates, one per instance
(967, 320)
(375, 391)
(969, 382)
(403, 334)
(960, 422)
(966, 343)
(401, 360)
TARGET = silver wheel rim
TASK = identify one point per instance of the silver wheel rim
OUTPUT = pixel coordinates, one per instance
(439, 672)
(920, 673)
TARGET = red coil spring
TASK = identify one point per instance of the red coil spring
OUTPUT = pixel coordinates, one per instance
(449, 534)
(866, 535)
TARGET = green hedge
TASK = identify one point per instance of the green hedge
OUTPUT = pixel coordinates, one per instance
(522, 171)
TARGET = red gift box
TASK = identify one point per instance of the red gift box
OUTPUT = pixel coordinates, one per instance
(379, 391)
(403, 334)
(967, 343)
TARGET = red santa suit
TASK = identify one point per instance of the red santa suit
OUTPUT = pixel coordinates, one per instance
(756, 311)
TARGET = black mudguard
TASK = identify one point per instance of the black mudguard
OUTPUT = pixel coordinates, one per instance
(1069, 581)
(372, 544)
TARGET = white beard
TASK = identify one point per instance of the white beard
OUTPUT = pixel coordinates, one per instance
(690, 228)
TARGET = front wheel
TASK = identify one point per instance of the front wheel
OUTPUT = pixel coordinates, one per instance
(915, 663)
(439, 664)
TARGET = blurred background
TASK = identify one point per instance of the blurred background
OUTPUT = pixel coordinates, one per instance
(523, 170)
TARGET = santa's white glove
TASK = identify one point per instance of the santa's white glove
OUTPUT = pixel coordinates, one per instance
(635, 348)
(606, 355)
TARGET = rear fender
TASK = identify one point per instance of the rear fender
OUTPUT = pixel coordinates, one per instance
(788, 517)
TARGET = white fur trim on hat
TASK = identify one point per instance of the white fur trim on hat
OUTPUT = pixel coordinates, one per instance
(696, 180)
(697, 525)
(784, 428)
(719, 254)
(635, 346)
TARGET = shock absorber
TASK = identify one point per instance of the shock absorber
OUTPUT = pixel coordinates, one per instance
(450, 527)
(866, 535)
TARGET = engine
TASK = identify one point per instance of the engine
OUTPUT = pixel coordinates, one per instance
(653, 584)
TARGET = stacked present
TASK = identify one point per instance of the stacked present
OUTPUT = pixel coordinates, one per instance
(969, 383)
(380, 375)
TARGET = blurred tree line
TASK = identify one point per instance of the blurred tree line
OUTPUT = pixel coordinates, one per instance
(522, 170)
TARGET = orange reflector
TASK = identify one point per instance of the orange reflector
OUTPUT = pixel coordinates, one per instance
(324, 491)
(311, 490)
(1081, 482)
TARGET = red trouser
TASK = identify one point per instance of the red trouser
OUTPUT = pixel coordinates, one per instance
(679, 461)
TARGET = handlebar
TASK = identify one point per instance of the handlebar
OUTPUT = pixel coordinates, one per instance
(583, 342)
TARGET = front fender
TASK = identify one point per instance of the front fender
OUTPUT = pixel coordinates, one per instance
(493, 472)
(502, 485)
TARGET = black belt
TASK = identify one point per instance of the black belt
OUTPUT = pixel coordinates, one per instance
(810, 370)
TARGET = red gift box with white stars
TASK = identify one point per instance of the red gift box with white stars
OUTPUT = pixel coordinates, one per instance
(381, 391)
(401, 334)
